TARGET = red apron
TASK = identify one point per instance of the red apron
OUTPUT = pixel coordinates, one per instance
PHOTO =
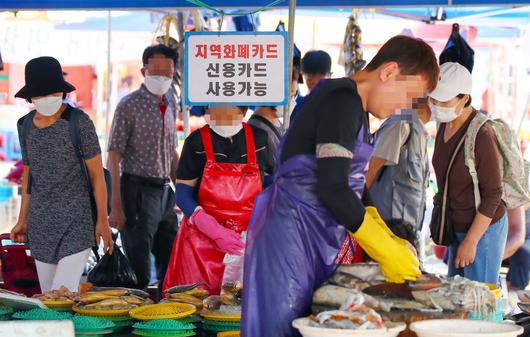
(227, 193)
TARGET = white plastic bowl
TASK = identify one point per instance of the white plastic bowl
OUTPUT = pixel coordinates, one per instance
(302, 324)
(464, 328)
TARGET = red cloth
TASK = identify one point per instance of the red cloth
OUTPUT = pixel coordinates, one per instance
(350, 252)
(227, 192)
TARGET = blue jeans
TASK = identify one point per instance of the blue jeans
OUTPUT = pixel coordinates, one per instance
(519, 273)
(490, 250)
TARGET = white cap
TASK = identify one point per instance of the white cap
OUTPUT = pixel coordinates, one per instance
(455, 79)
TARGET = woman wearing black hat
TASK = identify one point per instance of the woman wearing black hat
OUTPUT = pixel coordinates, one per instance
(56, 212)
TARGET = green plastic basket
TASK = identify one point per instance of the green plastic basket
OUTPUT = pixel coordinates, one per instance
(91, 324)
(221, 323)
(42, 315)
(191, 319)
(100, 333)
(6, 311)
(5, 318)
(115, 319)
(164, 325)
(149, 333)
(218, 328)
(123, 324)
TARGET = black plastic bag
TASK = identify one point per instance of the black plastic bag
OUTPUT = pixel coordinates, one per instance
(458, 50)
(113, 271)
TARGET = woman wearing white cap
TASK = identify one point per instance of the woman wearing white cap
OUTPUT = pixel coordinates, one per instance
(479, 233)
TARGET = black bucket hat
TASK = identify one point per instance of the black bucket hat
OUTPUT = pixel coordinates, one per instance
(44, 76)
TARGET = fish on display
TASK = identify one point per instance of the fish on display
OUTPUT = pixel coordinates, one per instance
(349, 281)
(429, 293)
(212, 303)
(367, 272)
(458, 293)
(136, 292)
(184, 288)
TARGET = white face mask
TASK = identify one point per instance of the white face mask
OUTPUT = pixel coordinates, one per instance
(158, 85)
(49, 105)
(443, 114)
(225, 131)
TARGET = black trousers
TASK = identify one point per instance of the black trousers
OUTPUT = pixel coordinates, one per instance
(151, 226)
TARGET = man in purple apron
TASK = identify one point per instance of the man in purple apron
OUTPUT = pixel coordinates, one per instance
(300, 223)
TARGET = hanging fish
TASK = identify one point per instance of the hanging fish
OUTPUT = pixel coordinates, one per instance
(352, 51)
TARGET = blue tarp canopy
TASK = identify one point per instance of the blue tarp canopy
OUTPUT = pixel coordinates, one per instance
(151, 4)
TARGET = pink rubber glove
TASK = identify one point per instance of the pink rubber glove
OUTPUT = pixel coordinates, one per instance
(227, 240)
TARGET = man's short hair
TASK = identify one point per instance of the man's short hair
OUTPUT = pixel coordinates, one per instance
(414, 57)
(316, 62)
(159, 49)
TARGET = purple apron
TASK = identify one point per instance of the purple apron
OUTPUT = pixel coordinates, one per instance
(292, 245)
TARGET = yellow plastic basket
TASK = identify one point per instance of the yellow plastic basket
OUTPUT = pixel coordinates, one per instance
(101, 313)
(58, 304)
(214, 316)
(163, 311)
(229, 334)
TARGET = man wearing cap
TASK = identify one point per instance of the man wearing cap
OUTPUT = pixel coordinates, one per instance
(143, 160)
(316, 66)
(480, 233)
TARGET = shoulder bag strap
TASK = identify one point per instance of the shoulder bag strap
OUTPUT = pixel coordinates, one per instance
(26, 124)
(75, 136)
(269, 125)
(446, 185)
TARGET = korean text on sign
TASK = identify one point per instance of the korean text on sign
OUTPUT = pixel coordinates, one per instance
(236, 68)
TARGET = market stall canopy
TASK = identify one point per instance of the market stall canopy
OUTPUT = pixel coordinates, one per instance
(142, 4)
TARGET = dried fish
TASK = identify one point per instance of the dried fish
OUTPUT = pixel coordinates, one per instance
(62, 295)
(330, 295)
(334, 296)
(352, 49)
(350, 282)
(184, 288)
(198, 292)
(212, 303)
(183, 298)
(361, 319)
(458, 293)
(90, 297)
(230, 299)
(367, 272)
(133, 300)
(115, 292)
(109, 304)
(235, 288)
(136, 292)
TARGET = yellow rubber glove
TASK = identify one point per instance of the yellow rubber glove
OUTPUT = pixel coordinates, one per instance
(397, 262)
(375, 215)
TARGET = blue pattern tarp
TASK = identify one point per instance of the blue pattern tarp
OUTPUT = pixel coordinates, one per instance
(151, 4)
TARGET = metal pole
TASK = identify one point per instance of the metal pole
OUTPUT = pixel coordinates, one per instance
(109, 89)
(286, 112)
(185, 111)
(523, 116)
